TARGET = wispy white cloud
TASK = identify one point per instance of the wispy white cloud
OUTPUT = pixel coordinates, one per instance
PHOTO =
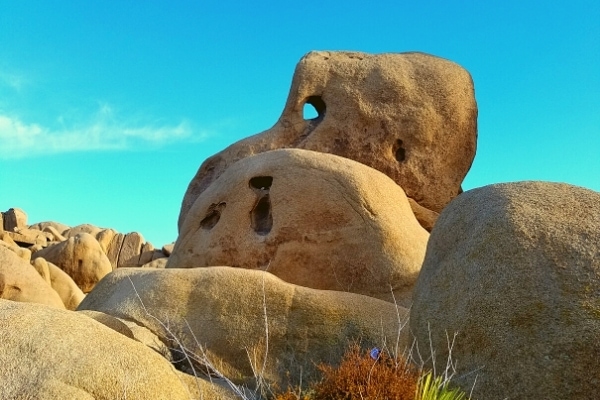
(20, 139)
(13, 81)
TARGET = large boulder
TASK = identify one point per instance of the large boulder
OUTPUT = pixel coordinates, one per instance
(70, 294)
(514, 271)
(29, 237)
(83, 228)
(7, 241)
(131, 249)
(19, 281)
(411, 116)
(312, 219)
(14, 219)
(81, 257)
(40, 226)
(53, 354)
(56, 235)
(241, 322)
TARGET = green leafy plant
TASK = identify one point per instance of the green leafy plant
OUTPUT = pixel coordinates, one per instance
(436, 388)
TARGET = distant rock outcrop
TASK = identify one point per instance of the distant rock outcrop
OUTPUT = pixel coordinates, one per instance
(81, 257)
(19, 281)
(70, 294)
(411, 116)
(14, 219)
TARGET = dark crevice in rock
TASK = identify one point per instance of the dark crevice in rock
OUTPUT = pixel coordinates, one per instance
(399, 151)
(212, 216)
(189, 364)
(261, 182)
(261, 217)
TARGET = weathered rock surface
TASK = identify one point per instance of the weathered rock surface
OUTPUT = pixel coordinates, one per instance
(157, 263)
(83, 228)
(122, 250)
(114, 248)
(19, 281)
(411, 116)
(47, 354)
(227, 311)
(60, 281)
(105, 237)
(514, 270)
(56, 235)
(29, 237)
(146, 254)
(14, 219)
(131, 249)
(40, 226)
(7, 241)
(312, 219)
(167, 249)
(81, 257)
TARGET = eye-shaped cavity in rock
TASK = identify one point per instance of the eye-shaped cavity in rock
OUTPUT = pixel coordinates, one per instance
(261, 182)
(312, 219)
(411, 116)
(213, 215)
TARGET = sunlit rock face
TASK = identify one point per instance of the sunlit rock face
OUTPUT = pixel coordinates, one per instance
(411, 116)
(312, 219)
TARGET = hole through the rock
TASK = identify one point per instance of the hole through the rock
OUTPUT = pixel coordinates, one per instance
(314, 108)
(261, 217)
(261, 182)
(213, 216)
(399, 151)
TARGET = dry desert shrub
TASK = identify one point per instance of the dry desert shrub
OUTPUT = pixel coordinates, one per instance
(364, 375)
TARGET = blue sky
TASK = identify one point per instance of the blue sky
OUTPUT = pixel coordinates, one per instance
(107, 109)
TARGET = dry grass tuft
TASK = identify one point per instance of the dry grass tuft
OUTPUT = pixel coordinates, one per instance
(363, 375)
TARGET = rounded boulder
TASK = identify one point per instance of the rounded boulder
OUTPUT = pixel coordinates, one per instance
(310, 218)
(412, 116)
(513, 270)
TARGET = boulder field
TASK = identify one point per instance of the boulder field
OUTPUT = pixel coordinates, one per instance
(349, 228)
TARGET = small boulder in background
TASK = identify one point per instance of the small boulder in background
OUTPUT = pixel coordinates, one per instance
(81, 257)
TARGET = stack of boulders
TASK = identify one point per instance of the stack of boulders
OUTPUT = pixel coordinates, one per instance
(311, 235)
(70, 260)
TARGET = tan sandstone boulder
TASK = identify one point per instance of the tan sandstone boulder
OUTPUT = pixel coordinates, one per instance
(14, 219)
(60, 281)
(312, 219)
(40, 226)
(232, 317)
(157, 263)
(514, 270)
(19, 281)
(30, 237)
(7, 241)
(81, 257)
(50, 354)
(131, 249)
(411, 116)
(56, 235)
(83, 228)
